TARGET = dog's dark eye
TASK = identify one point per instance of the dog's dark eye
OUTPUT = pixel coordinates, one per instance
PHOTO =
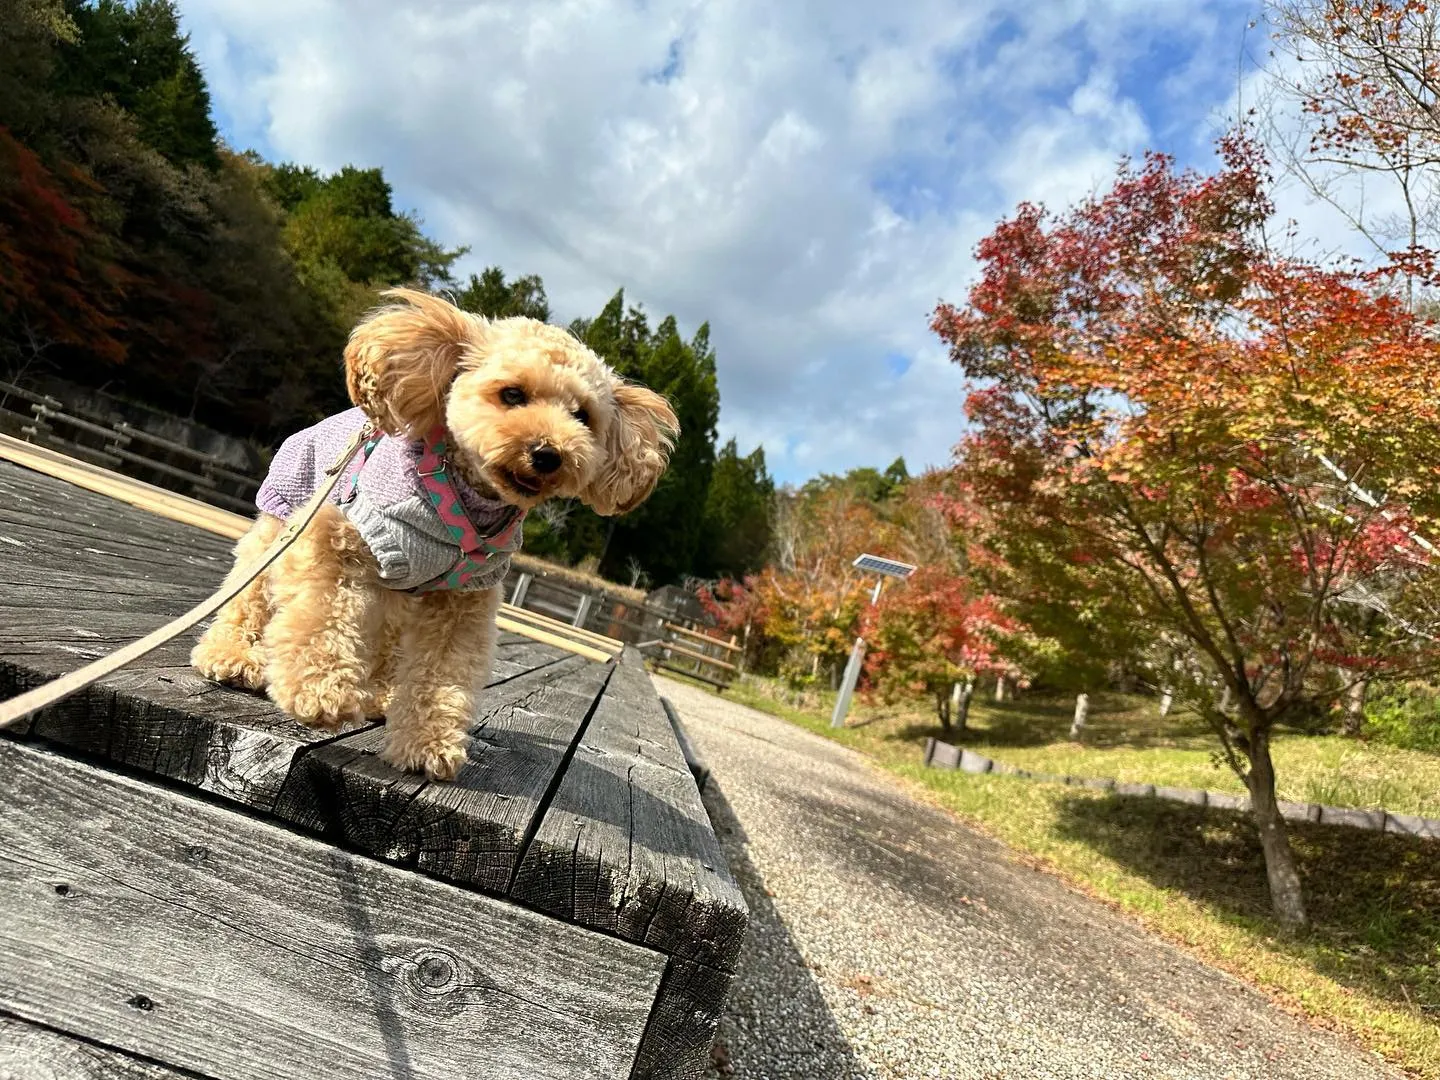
(582, 416)
(512, 395)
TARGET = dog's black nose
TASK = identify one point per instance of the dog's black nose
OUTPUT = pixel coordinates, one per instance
(544, 460)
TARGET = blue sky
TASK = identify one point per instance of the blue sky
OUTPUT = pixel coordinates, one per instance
(808, 177)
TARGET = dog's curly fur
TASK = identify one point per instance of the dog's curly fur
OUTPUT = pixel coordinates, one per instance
(320, 632)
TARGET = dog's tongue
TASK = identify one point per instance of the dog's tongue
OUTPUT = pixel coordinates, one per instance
(525, 484)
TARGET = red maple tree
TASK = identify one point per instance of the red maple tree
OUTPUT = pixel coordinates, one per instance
(1171, 421)
(930, 633)
(55, 276)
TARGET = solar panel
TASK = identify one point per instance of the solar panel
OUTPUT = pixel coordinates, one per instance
(889, 567)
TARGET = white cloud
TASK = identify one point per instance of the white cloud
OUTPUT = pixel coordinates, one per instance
(810, 179)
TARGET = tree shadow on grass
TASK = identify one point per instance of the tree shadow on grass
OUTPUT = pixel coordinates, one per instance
(1373, 898)
(1044, 719)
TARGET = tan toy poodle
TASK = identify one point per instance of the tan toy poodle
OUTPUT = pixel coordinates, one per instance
(386, 604)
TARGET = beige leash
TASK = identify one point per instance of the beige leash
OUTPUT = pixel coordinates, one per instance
(17, 708)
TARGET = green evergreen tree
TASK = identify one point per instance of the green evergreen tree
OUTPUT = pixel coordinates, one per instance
(489, 294)
(348, 220)
(136, 56)
(738, 523)
(663, 536)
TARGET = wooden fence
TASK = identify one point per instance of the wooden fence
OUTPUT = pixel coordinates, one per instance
(668, 640)
(48, 422)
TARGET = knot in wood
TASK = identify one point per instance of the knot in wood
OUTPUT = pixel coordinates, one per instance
(435, 976)
(435, 971)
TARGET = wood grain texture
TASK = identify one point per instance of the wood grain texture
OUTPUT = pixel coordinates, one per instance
(136, 492)
(473, 829)
(676, 1044)
(29, 1052)
(626, 846)
(577, 800)
(186, 933)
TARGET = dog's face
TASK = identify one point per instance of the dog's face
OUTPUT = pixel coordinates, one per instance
(528, 408)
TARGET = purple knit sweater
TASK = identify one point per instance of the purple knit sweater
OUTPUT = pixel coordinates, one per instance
(389, 506)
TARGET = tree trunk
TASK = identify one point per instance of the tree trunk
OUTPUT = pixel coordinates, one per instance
(1166, 700)
(942, 709)
(960, 703)
(1285, 891)
(1082, 713)
(1354, 709)
(1224, 704)
(1000, 688)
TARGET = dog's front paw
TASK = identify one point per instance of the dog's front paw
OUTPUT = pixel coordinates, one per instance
(439, 755)
(326, 703)
(220, 657)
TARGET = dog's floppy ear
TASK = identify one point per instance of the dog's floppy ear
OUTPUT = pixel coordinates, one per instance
(637, 448)
(401, 358)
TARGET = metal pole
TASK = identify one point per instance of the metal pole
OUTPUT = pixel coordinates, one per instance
(583, 611)
(847, 684)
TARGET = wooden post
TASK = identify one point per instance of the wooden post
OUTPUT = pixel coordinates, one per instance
(847, 685)
(1082, 713)
(583, 611)
(960, 694)
(1167, 696)
(1355, 708)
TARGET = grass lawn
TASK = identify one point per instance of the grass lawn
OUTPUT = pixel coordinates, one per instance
(1370, 963)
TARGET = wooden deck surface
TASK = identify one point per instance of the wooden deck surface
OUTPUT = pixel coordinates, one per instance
(575, 805)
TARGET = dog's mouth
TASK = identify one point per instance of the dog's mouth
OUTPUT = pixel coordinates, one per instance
(526, 485)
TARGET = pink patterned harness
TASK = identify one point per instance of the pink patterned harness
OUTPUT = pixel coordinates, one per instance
(434, 471)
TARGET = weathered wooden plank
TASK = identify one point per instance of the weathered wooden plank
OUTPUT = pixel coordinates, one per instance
(160, 717)
(62, 557)
(161, 501)
(676, 1044)
(47, 544)
(473, 829)
(193, 935)
(518, 650)
(157, 716)
(44, 506)
(625, 845)
(62, 516)
(29, 1052)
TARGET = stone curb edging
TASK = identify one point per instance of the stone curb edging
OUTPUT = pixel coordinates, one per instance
(941, 755)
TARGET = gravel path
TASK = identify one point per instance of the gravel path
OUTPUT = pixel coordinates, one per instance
(887, 940)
